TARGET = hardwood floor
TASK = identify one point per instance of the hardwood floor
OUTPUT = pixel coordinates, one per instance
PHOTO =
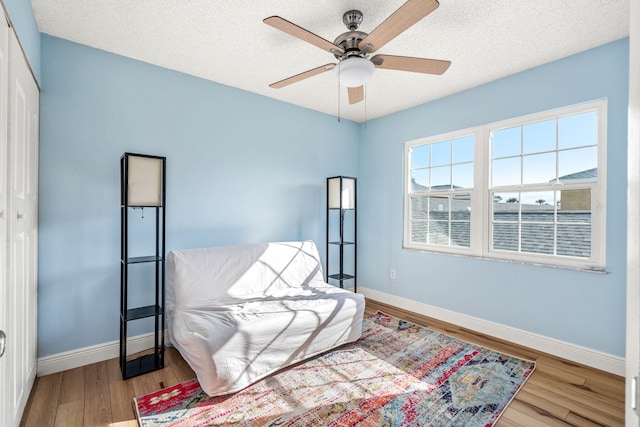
(558, 393)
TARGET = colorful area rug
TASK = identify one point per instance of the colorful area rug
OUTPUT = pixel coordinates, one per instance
(397, 374)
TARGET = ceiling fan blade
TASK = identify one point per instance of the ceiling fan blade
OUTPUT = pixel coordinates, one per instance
(407, 15)
(302, 76)
(356, 94)
(408, 63)
(299, 32)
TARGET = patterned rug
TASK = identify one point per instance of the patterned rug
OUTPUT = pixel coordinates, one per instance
(397, 374)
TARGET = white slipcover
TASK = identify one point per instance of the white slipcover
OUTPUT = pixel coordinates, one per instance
(240, 313)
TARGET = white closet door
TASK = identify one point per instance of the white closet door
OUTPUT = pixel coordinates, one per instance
(632, 410)
(5, 385)
(23, 230)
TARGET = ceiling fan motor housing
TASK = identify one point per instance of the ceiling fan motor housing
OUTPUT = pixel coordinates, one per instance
(349, 40)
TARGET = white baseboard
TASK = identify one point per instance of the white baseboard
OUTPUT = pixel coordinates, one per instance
(93, 354)
(586, 356)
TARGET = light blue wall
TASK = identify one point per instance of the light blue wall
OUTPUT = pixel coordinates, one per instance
(24, 21)
(240, 168)
(579, 307)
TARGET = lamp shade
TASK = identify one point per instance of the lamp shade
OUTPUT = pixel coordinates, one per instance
(144, 180)
(341, 192)
(354, 71)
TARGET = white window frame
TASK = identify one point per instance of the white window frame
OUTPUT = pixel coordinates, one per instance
(482, 193)
(476, 195)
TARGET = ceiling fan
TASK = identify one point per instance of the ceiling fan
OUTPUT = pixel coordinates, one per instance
(353, 48)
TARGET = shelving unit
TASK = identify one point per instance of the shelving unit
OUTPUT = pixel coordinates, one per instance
(341, 202)
(142, 179)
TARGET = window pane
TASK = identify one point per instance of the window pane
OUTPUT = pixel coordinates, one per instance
(574, 240)
(539, 137)
(463, 149)
(420, 156)
(419, 208)
(461, 234)
(434, 218)
(441, 178)
(578, 164)
(461, 207)
(573, 205)
(537, 206)
(419, 180)
(537, 238)
(438, 233)
(505, 171)
(505, 142)
(419, 231)
(506, 206)
(441, 153)
(439, 208)
(419, 215)
(539, 168)
(463, 175)
(578, 130)
(505, 237)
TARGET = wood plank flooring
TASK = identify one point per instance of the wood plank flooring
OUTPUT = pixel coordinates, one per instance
(558, 393)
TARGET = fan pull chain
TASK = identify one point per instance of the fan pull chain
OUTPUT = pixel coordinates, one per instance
(364, 89)
(338, 65)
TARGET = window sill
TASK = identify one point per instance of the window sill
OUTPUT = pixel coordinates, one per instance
(585, 269)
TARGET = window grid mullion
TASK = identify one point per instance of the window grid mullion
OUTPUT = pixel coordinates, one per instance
(450, 170)
(428, 215)
(557, 151)
(521, 155)
(430, 166)
(519, 222)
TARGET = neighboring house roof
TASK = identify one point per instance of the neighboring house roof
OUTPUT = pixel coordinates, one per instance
(582, 175)
(415, 187)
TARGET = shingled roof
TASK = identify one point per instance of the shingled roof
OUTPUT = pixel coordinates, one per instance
(573, 231)
(582, 175)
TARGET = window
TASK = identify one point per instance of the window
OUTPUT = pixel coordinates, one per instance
(529, 189)
(441, 183)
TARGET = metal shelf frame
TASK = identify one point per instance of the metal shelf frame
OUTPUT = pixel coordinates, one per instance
(153, 360)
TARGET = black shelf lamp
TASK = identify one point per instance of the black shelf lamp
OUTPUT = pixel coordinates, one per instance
(142, 179)
(341, 196)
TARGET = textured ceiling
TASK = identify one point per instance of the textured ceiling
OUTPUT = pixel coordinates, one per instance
(227, 42)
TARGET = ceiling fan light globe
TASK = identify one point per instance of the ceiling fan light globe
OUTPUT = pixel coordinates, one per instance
(354, 71)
